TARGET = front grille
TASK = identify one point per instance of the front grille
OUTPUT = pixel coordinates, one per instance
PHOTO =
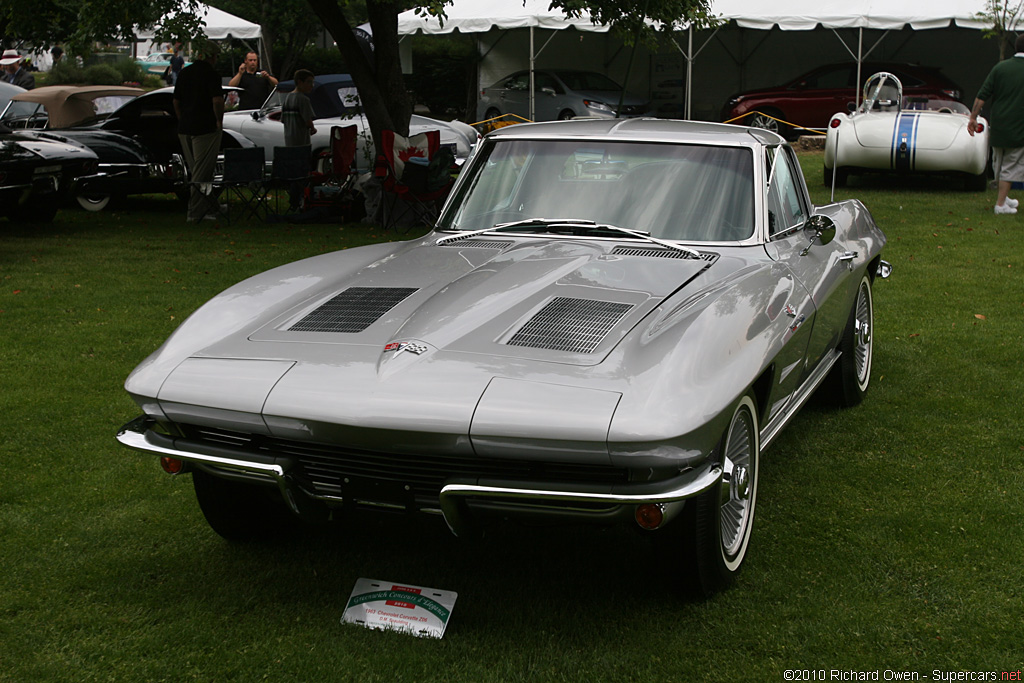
(353, 310)
(337, 471)
(566, 324)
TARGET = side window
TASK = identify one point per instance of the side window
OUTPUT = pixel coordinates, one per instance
(545, 81)
(520, 82)
(785, 201)
(829, 79)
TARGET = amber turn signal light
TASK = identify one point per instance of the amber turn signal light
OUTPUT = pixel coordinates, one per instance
(649, 515)
(172, 465)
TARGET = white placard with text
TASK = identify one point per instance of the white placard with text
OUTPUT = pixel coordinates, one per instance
(393, 606)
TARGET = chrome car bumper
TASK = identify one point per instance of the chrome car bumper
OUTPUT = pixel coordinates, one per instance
(534, 497)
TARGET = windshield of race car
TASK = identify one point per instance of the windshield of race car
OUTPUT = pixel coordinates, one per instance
(698, 193)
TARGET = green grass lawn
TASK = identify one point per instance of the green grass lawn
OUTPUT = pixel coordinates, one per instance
(888, 536)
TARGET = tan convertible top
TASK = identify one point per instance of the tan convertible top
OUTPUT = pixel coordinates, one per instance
(69, 104)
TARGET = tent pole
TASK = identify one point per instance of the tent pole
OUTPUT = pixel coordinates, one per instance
(689, 72)
(860, 60)
(532, 64)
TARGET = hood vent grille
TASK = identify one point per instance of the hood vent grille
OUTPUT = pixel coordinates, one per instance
(479, 244)
(565, 324)
(657, 252)
(353, 310)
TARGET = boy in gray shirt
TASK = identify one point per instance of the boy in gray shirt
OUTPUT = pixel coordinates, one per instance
(297, 111)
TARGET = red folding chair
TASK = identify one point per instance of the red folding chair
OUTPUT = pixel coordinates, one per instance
(412, 194)
(332, 183)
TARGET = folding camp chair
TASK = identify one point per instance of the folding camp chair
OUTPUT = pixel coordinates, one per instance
(331, 184)
(290, 170)
(243, 180)
(412, 193)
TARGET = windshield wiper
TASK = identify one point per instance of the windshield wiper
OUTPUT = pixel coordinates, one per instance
(578, 225)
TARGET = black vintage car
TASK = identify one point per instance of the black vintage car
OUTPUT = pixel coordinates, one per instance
(37, 175)
(137, 145)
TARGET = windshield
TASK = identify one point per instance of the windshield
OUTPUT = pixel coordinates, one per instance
(675, 192)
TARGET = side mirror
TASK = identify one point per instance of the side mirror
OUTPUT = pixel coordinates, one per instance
(851, 107)
(548, 91)
(823, 227)
(823, 231)
(255, 115)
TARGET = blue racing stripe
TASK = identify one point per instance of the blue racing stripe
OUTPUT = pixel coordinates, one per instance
(904, 142)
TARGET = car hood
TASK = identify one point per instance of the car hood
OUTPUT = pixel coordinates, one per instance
(109, 147)
(491, 297)
(421, 328)
(27, 148)
(883, 129)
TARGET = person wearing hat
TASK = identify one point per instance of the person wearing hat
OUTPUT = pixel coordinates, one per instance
(199, 105)
(13, 73)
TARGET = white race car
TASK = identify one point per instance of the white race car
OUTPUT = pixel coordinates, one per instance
(336, 103)
(916, 135)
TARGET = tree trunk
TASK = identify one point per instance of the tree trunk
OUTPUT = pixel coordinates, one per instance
(380, 85)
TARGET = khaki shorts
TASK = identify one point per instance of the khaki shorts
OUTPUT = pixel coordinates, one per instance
(1008, 163)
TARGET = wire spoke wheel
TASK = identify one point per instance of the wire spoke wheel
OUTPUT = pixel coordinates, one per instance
(736, 495)
(863, 342)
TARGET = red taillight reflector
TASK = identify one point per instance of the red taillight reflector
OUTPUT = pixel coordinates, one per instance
(834, 123)
(172, 465)
(979, 127)
(649, 515)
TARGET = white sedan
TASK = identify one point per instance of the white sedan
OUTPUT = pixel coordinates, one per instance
(336, 103)
(912, 135)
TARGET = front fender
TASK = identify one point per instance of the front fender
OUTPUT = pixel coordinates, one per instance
(244, 306)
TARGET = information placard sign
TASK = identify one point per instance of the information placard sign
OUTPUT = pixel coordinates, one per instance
(417, 610)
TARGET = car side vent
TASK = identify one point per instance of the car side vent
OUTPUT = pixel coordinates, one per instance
(353, 310)
(479, 244)
(657, 252)
(566, 324)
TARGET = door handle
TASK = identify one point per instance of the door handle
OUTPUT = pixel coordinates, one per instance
(848, 257)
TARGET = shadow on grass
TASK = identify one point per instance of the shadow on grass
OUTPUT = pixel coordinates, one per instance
(514, 574)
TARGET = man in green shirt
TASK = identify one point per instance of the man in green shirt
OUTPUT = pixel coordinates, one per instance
(1003, 90)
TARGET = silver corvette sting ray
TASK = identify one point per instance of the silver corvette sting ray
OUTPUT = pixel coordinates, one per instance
(609, 323)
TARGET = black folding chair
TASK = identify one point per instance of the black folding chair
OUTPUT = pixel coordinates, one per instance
(244, 182)
(290, 170)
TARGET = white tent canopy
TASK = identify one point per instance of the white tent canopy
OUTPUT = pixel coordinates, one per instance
(480, 16)
(477, 16)
(219, 26)
(803, 15)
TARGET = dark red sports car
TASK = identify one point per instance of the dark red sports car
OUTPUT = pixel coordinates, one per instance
(810, 100)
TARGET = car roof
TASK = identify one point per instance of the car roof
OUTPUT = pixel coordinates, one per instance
(325, 98)
(641, 129)
(340, 80)
(69, 104)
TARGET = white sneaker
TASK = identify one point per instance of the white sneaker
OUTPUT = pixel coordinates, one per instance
(1005, 209)
(1012, 203)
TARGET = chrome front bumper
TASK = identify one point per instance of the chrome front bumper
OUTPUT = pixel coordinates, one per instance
(140, 436)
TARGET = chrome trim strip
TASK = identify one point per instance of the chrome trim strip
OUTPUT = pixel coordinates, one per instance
(800, 396)
(688, 485)
(137, 436)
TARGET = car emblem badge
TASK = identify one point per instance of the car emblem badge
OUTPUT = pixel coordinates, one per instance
(410, 346)
(790, 311)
